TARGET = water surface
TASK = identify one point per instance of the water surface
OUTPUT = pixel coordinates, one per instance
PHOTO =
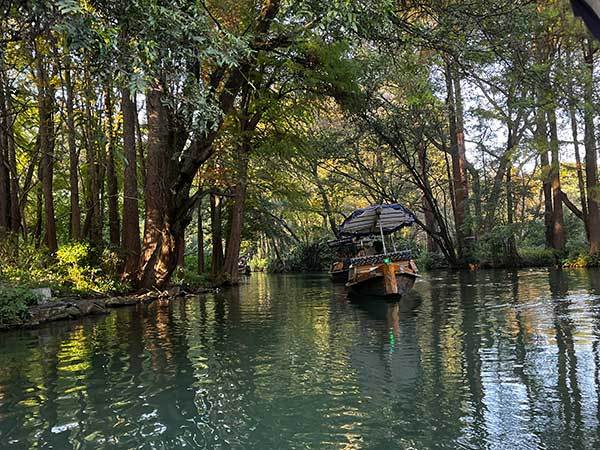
(492, 359)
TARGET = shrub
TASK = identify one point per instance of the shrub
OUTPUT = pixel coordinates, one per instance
(21, 263)
(74, 263)
(258, 264)
(429, 261)
(582, 260)
(189, 276)
(14, 304)
(537, 257)
(76, 267)
(74, 254)
(313, 257)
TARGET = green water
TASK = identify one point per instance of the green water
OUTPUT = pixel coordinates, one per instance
(473, 360)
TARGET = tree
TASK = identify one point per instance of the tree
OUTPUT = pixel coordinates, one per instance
(131, 226)
(46, 142)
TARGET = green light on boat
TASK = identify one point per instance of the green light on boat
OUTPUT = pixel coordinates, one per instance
(387, 260)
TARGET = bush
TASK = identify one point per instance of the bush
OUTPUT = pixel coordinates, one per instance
(76, 267)
(538, 257)
(81, 269)
(258, 264)
(21, 263)
(191, 264)
(429, 261)
(582, 260)
(14, 304)
(189, 276)
(313, 257)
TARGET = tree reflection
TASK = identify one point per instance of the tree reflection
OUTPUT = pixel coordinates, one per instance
(475, 360)
(567, 382)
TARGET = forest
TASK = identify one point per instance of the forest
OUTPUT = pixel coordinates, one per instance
(149, 141)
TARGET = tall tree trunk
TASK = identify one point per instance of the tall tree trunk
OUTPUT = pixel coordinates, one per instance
(4, 168)
(181, 250)
(15, 210)
(92, 227)
(216, 232)
(200, 232)
(579, 167)
(591, 161)
(476, 189)
(543, 88)
(232, 251)
(131, 216)
(430, 223)
(10, 214)
(39, 209)
(75, 210)
(140, 145)
(160, 247)
(542, 142)
(46, 132)
(458, 154)
(325, 199)
(512, 256)
(114, 228)
(558, 229)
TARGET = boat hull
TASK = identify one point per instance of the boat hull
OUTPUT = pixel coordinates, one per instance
(375, 287)
(388, 279)
(339, 276)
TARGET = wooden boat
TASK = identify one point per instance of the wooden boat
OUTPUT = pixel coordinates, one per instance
(382, 274)
(386, 275)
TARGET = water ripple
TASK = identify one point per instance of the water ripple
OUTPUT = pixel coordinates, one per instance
(492, 359)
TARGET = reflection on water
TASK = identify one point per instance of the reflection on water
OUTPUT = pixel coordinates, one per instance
(471, 360)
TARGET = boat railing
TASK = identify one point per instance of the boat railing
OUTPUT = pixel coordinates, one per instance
(405, 255)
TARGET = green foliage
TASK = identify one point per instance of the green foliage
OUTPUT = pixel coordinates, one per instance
(429, 261)
(302, 257)
(494, 249)
(75, 254)
(76, 268)
(189, 276)
(14, 304)
(258, 264)
(84, 270)
(312, 257)
(537, 257)
(21, 263)
(582, 260)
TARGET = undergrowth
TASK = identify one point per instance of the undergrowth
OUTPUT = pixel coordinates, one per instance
(15, 303)
(76, 268)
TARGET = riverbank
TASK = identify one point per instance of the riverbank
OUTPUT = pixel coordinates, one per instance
(38, 311)
(20, 307)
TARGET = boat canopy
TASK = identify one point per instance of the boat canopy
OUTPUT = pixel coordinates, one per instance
(377, 219)
(589, 11)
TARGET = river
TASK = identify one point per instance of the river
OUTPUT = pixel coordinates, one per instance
(490, 359)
